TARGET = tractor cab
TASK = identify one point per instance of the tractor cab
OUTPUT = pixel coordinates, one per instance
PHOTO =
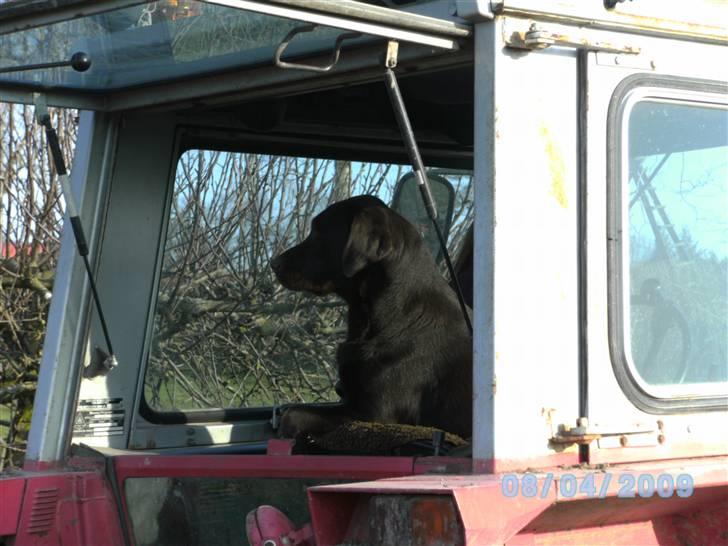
(577, 159)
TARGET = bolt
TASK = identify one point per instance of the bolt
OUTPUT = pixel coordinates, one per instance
(661, 439)
(623, 441)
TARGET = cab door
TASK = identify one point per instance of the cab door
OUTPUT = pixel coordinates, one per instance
(656, 257)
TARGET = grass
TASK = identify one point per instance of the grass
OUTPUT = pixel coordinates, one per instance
(4, 416)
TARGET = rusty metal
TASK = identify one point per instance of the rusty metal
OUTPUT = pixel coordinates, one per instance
(392, 54)
(540, 37)
(703, 20)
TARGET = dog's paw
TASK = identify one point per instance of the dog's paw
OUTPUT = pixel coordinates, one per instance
(301, 422)
(292, 423)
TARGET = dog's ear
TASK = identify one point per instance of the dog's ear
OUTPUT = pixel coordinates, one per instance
(369, 241)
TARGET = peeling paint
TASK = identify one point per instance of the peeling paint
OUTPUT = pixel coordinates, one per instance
(557, 168)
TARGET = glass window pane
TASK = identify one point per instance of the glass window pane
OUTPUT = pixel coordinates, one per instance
(156, 41)
(152, 42)
(226, 333)
(195, 511)
(677, 218)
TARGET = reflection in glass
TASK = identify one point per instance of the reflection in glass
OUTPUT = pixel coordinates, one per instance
(677, 214)
(152, 42)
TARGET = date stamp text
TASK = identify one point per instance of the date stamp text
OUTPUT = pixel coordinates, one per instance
(597, 485)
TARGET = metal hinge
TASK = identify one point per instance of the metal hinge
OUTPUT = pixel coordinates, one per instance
(539, 36)
(575, 435)
(638, 436)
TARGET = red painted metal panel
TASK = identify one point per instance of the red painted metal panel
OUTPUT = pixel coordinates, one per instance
(262, 466)
(68, 508)
(430, 484)
(280, 447)
(488, 516)
(443, 465)
(706, 526)
(596, 512)
(330, 515)
(11, 495)
(644, 533)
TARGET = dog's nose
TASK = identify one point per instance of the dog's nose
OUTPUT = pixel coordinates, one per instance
(275, 263)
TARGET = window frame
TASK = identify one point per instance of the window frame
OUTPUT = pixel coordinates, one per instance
(658, 399)
(190, 138)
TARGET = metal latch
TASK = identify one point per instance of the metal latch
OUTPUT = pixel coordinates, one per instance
(540, 37)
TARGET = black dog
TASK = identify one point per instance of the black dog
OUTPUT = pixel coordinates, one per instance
(407, 356)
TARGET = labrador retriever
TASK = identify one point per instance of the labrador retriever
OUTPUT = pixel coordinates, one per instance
(407, 355)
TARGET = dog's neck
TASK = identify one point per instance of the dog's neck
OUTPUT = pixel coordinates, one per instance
(383, 296)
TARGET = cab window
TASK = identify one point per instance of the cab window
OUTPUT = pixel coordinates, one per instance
(225, 333)
(674, 251)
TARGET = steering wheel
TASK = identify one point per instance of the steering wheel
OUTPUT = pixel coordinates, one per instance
(665, 316)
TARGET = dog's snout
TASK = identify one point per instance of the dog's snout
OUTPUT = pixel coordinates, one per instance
(276, 262)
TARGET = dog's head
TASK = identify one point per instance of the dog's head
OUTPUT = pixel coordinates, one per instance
(345, 239)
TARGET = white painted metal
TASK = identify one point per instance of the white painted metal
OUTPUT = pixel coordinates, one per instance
(536, 297)
(526, 135)
(695, 20)
(145, 160)
(609, 406)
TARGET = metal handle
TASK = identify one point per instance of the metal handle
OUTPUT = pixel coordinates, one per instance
(311, 67)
